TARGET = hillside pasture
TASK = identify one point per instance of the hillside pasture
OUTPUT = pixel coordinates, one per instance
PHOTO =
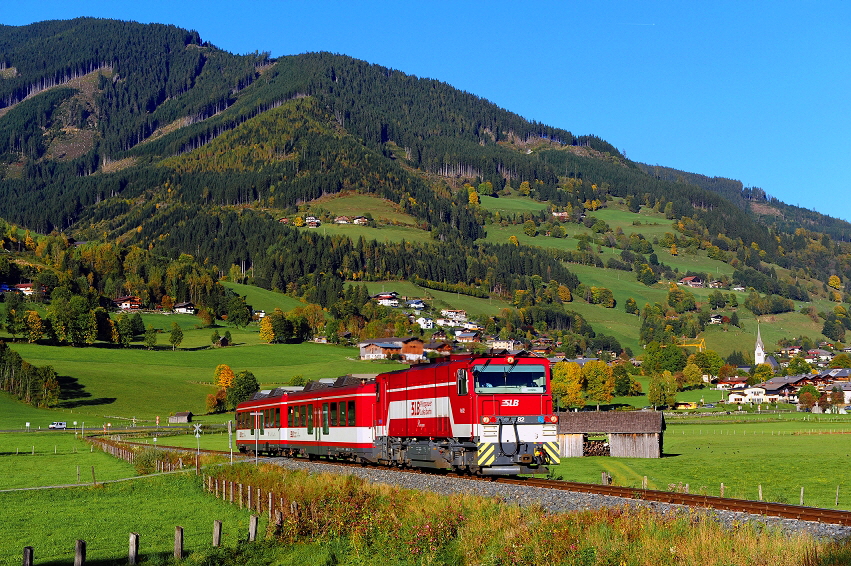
(511, 205)
(382, 210)
(264, 299)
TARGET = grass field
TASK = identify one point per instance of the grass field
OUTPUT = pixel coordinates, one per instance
(115, 382)
(51, 520)
(781, 452)
(357, 204)
(263, 299)
(511, 205)
(35, 459)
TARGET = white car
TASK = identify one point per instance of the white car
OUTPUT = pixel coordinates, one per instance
(58, 426)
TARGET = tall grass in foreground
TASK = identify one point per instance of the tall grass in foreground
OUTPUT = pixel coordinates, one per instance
(355, 522)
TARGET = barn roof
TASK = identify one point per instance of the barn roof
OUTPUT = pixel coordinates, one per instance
(642, 422)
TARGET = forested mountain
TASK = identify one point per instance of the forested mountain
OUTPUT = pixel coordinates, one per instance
(149, 136)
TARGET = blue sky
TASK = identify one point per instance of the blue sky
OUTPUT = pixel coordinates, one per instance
(757, 91)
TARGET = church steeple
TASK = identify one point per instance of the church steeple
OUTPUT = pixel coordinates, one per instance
(759, 349)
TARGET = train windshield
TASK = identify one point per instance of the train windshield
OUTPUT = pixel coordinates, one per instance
(517, 378)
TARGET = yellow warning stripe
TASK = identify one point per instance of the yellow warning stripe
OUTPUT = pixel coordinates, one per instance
(487, 453)
(551, 448)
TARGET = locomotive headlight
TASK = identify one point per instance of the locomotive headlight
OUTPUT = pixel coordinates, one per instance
(553, 418)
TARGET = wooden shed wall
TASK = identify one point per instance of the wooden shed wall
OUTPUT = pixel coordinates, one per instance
(635, 445)
(571, 445)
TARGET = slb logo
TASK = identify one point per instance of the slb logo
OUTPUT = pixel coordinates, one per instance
(511, 402)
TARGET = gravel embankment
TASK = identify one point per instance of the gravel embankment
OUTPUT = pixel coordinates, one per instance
(552, 499)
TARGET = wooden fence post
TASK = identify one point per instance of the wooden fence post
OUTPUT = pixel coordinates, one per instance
(28, 556)
(760, 492)
(231, 491)
(836, 503)
(240, 496)
(722, 489)
(253, 522)
(249, 497)
(94, 482)
(79, 552)
(802, 496)
(270, 505)
(217, 533)
(133, 553)
(644, 483)
(178, 542)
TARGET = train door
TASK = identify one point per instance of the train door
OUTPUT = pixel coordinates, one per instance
(465, 405)
(321, 429)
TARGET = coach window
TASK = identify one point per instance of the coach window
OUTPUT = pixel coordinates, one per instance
(278, 418)
(351, 413)
(461, 374)
(333, 414)
(310, 419)
(325, 418)
(342, 413)
(289, 417)
(303, 416)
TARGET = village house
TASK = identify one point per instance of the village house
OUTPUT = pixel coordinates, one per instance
(409, 349)
(752, 395)
(184, 308)
(468, 337)
(716, 284)
(692, 281)
(128, 303)
(563, 216)
(456, 315)
(508, 344)
(440, 348)
(425, 322)
(341, 220)
(416, 304)
(360, 220)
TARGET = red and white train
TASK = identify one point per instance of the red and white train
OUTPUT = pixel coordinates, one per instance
(474, 414)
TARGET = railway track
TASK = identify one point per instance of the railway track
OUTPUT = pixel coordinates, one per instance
(796, 512)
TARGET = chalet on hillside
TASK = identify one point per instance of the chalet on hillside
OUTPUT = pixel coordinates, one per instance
(184, 308)
(692, 281)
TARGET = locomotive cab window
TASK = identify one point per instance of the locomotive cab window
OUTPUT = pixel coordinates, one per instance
(505, 378)
(461, 376)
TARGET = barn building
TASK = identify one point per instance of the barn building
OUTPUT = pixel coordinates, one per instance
(631, 434)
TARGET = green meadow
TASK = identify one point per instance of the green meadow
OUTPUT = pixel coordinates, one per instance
(45, 458)
(50, 520)
(783, 453)
(102, 383)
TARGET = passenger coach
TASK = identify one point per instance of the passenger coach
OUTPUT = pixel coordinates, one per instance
(474, 414)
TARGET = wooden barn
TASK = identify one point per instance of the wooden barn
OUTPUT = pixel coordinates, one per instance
(631, 434)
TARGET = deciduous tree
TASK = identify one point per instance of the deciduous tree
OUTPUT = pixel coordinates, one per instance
(175, 337)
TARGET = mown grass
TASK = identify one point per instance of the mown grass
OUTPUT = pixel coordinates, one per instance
(54, 458)
(50, 520)
(357, 204)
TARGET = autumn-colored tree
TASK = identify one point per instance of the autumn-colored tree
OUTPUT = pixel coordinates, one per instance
(34, 326)
(223, 376)
(205, 315)
(842, 360)
(267, 333)
(600, 382)
(692, 376)
(568, 383)
(298, 221)
(216, 402)
(513, 240)
(761, 373)
(525, 188)
(834, 281)
(167, 303)
(564, 294)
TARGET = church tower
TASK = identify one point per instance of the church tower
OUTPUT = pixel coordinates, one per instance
(759, 349)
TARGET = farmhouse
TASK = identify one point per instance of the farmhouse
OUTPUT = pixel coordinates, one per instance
(631, 434)
(440, 348)
(752, 395)
(692, 281)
